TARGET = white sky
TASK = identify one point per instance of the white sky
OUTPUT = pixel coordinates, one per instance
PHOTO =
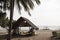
(46, 14)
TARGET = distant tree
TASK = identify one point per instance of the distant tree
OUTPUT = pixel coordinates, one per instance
(2, 13)
(2, 19)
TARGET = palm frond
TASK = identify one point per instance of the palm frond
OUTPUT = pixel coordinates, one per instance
(1, 0)
(24, 5)
(18, 5)
(27, 4)
(4, 6)
(29, 13)
(37, 1)
(30, 3)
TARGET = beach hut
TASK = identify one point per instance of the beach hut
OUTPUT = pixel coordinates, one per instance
(24, 22)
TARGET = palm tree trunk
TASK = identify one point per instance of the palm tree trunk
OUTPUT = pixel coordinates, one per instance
(11, 18)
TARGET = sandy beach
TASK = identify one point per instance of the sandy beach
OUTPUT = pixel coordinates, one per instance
(41, 35)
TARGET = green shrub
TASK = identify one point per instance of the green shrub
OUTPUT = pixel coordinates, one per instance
(54, 33)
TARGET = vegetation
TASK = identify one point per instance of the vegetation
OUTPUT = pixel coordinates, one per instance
(2, 19)
(9, 4)
(56, 33)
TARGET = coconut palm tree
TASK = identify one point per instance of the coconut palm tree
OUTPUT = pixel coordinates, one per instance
(27, 4)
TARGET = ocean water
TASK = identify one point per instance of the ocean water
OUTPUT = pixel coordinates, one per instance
(50, 27)
(43, 27)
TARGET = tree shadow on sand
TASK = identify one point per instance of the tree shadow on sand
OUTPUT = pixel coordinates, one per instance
(4, 37)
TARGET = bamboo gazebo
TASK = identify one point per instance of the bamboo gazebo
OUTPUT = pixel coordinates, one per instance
(24, 22)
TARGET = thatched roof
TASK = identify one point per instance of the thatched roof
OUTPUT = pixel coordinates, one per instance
(24, 22)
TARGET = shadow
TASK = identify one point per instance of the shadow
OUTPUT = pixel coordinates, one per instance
(3, 36)
(21, 36)
(15, 36)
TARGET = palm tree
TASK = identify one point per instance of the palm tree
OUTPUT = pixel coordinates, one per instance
(27, 4)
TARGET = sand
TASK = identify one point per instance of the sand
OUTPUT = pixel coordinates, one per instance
(41, 35)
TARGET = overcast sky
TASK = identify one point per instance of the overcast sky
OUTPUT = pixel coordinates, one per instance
(46, 14)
